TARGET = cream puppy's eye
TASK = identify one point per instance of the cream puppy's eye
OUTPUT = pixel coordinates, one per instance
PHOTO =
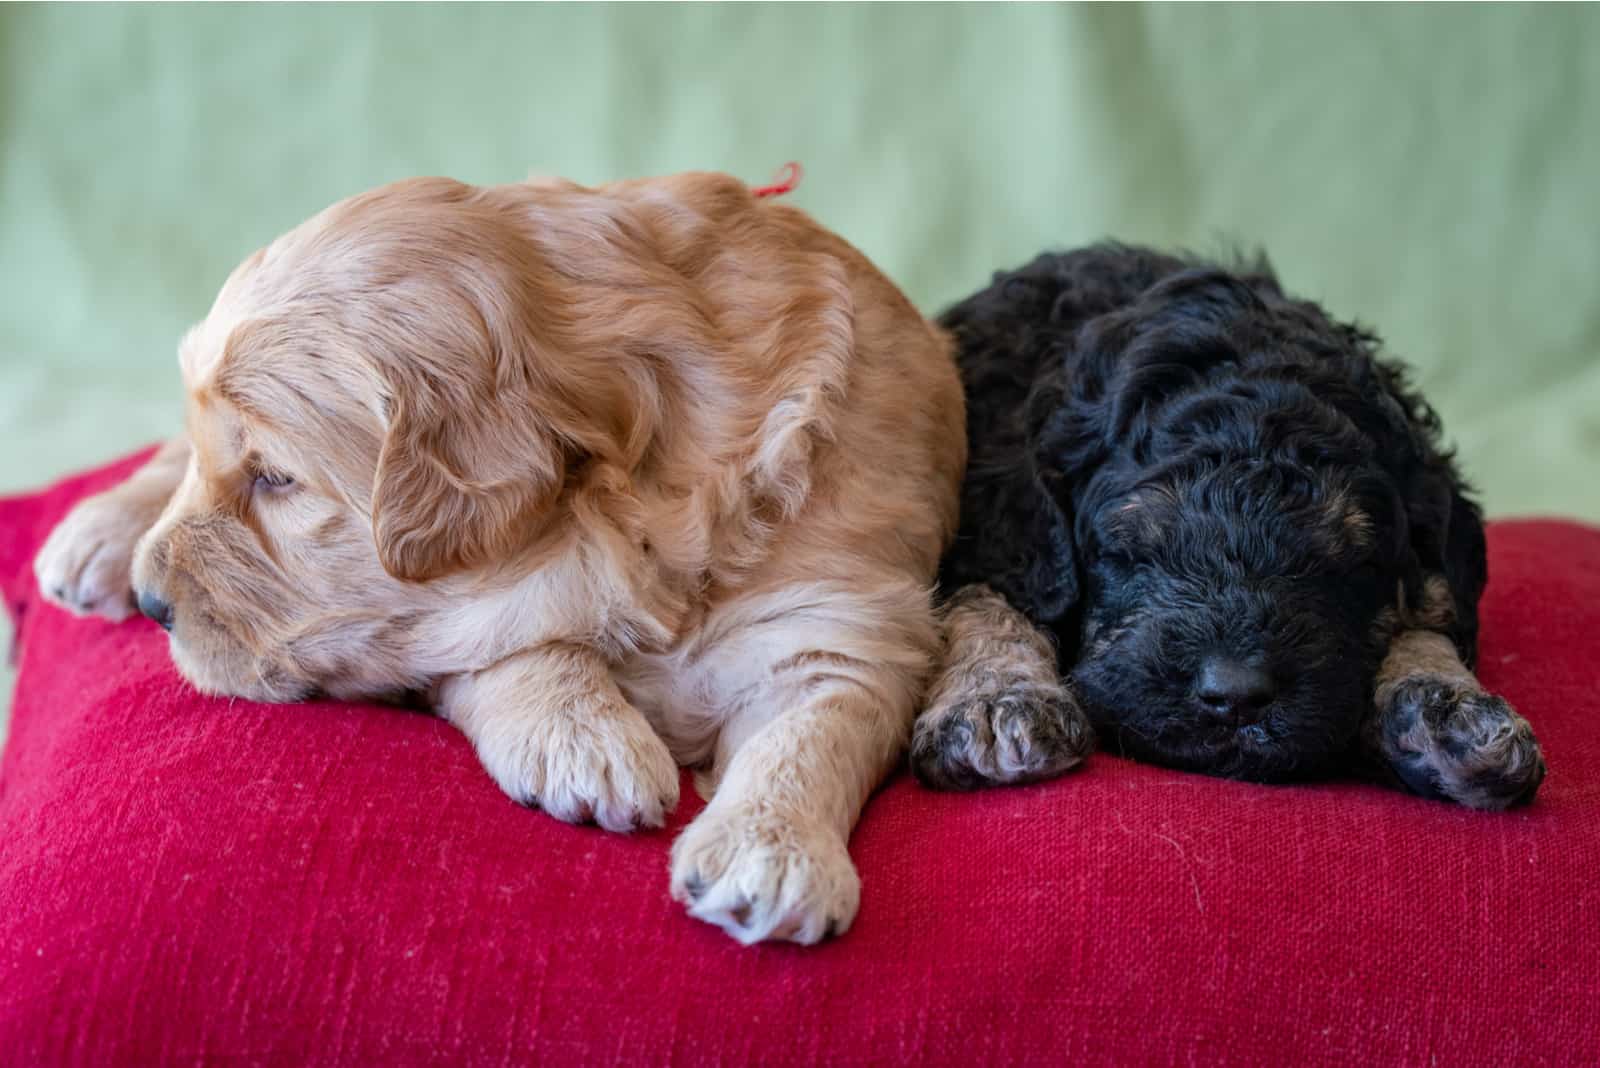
(272, 482)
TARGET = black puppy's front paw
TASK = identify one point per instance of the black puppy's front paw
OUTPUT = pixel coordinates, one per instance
(1014, 734)
(1446, 740)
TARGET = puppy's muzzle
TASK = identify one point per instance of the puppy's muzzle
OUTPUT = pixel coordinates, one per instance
(1232, 691)
(152, 605)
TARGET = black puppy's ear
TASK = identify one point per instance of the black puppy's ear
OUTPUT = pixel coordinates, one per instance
(1017, 536)
(1046, 582)
(1444, 528)
(1446, 539)
(1026, 552)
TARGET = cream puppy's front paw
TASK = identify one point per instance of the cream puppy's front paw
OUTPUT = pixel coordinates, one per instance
(761, 877)
(584, 763)
(85, 565)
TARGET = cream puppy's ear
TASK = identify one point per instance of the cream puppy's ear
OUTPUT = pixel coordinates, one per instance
(462, 477)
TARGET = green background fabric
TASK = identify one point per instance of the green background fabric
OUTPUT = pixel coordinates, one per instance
(1430, 170)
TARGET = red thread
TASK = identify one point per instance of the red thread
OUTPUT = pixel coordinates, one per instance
(784, 181)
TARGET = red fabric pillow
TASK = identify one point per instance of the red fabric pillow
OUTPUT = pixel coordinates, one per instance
(191, 879)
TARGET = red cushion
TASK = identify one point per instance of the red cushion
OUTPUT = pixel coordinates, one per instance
(186, 878)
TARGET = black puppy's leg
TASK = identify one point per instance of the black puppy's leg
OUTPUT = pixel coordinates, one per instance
(997, 711)
(1442, 735)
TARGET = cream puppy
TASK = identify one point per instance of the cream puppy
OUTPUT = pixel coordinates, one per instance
(624, 478)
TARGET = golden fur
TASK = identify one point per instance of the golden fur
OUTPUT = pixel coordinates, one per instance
(649, 473)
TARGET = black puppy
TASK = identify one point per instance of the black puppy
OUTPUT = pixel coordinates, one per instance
(1237, 525)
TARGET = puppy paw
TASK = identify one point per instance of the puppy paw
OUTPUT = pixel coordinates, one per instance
(601, 764)
(1446, 740)
(1019, 733)
(86, 564)
(760, 877)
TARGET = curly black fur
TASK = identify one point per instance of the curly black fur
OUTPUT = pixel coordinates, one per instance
(1185, 475)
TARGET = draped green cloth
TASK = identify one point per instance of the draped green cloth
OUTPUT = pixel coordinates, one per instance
(1431, 171)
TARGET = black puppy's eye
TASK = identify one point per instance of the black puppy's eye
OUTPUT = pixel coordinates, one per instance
(1119, 558)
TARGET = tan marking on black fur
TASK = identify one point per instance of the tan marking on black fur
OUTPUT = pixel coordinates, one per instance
(1421, 652)
(1357, 526)
(1435, 608)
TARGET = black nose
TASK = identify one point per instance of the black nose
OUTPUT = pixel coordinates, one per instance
(1234, 691)
(156, 609)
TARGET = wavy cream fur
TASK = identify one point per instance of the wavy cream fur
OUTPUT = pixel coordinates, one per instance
(622, 477)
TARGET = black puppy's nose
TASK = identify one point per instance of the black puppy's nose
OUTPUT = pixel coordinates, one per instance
(156, 609)
(1234, 691)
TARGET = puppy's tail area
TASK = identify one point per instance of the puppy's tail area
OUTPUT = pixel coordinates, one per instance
(997, 710)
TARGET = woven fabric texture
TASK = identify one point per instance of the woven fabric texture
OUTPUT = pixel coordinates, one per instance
(186, 879)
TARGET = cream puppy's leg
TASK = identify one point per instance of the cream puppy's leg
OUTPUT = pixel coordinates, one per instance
(85, 564)
(553, 730)
(827, 703)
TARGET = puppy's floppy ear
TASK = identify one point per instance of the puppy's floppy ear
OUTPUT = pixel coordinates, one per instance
(1048, 583)
(1445, 538)
(461, 480)
(1020, 543)
(1017, 522)
(1443, 527)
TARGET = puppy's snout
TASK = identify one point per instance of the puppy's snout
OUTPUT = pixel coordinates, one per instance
(157, 609)
(1233, 691)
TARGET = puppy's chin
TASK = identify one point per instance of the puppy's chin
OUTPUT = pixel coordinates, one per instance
(1308, 733)
(222, 668)
(1252, 754)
